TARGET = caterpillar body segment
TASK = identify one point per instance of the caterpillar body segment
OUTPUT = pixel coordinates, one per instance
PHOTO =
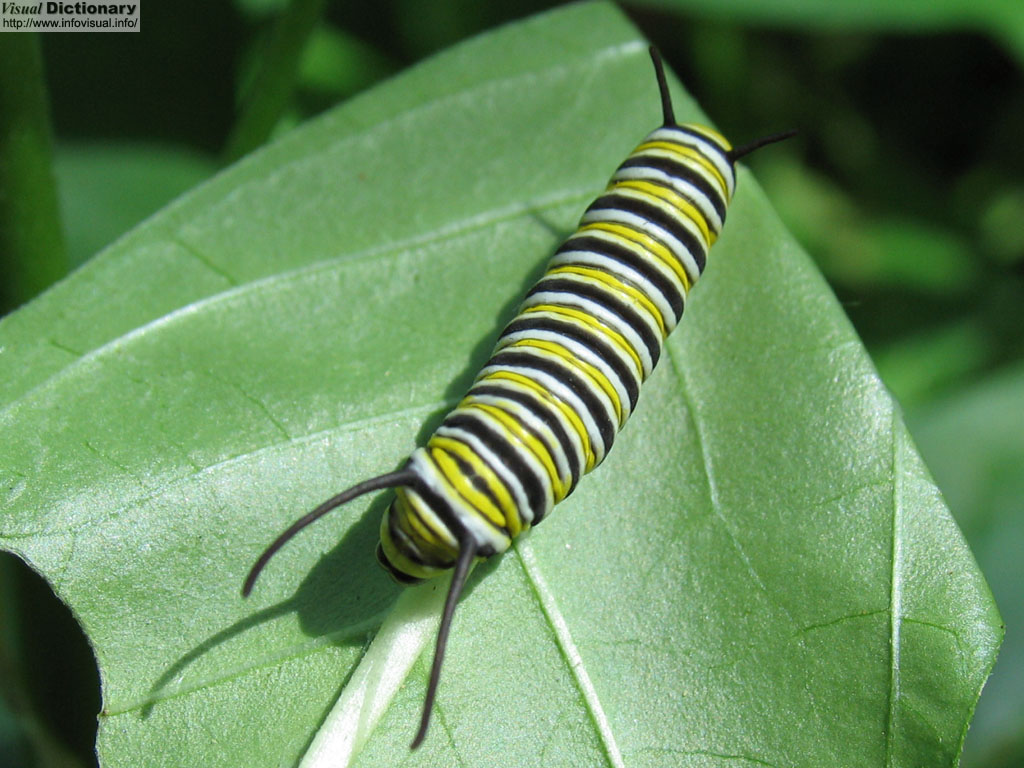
(566, 372)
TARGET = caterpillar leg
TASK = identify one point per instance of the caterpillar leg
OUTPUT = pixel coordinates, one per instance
(467, 552)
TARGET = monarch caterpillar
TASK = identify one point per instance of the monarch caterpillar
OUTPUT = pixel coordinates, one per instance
(565, 373)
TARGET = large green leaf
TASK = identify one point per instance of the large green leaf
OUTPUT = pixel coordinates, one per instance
(761, 572)
(973, 440)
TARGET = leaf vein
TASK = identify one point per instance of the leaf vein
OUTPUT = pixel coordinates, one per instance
(570, 652)
(164, 486)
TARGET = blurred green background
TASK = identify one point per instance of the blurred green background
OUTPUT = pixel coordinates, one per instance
(906, 184)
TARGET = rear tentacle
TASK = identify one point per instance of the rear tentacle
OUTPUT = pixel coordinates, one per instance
(746, 149)
(666, 98)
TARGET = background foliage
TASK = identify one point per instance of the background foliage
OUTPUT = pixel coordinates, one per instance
(906, 185)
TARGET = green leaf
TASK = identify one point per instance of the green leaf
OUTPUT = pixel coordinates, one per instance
(761, 572)
(974, 442)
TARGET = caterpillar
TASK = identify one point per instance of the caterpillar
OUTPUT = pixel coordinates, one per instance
(565, 373)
